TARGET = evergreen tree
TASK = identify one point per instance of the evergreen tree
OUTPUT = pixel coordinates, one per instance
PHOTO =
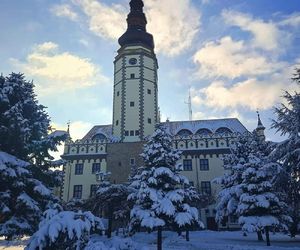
(260, 207)
(232, 182)
(25, 133)
(22, 198)
(65, 230)
(25, 130)
(287, 152)
(234, 164)
(163, 196)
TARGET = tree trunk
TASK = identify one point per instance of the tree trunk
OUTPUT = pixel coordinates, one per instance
(259, 236)
(268, 236)
(109, 226)
(159, 238)
(187, 235)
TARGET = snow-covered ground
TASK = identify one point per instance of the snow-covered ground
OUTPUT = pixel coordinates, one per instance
(203, 240)
(13, 245)
(209, 240)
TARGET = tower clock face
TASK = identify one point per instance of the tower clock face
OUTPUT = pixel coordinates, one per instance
(132, 61)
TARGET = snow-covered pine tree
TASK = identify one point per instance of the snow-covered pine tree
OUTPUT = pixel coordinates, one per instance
(65, 230)
(24, 133)
(260, 207)
(21, 198)
(163, 196)
(287, 152)
(234, 164)
(25, 130)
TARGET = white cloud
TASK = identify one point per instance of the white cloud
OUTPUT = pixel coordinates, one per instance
(251, 93)
(266, 34)
(46, 47)
(55, 71)
(64, 10)
(173, 26)
(228, 58)
(105, 21)
(292, 20)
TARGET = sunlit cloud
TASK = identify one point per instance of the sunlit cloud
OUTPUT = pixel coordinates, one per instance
(64, 10)
(56, 71)
(174, 26)
(266, 35)
(229, 58)
(106, 21)
(251, 93)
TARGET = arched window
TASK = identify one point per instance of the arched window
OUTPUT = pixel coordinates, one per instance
(203, 131)
(223, 130)
(184, 132)
(99, 137)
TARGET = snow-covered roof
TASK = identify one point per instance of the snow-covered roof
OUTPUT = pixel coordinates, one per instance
(105, 130)
(174, 127)
(213, 125)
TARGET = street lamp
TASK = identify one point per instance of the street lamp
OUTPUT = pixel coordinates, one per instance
(102, 176)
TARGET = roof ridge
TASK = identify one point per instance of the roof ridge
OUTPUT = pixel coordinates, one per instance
(215, 119)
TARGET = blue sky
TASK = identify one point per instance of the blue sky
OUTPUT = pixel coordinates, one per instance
(236, 56)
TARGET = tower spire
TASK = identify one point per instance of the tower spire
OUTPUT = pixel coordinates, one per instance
(136, 19)
(260, 129)
(136, 27)
(259, 123)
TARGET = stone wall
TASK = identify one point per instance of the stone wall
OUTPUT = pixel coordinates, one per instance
(119, 157)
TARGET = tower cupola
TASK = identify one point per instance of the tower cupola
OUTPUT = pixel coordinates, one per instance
(136, 32)
(260, 129)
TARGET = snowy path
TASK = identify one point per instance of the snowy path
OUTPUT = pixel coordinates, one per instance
(203, 240)
(208, 240)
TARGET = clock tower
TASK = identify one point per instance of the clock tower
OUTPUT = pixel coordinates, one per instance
(135, 107)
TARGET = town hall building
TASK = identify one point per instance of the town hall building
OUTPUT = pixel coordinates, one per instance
(116, 147)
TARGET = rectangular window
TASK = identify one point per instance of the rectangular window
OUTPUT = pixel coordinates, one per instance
(149, 91)
(149, 120)
(96, 167)
(131, 132)
(204, 166)
(93, 191)
(79, 169)
(187, 165)
(132, 76)
(132, 161)
(126, 133)
(131, 104)
(77, 191)
(206, 187)
(118, 93)
(117, 122)
(137, 132)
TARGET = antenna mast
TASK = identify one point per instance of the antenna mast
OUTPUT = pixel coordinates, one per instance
(189, 103)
